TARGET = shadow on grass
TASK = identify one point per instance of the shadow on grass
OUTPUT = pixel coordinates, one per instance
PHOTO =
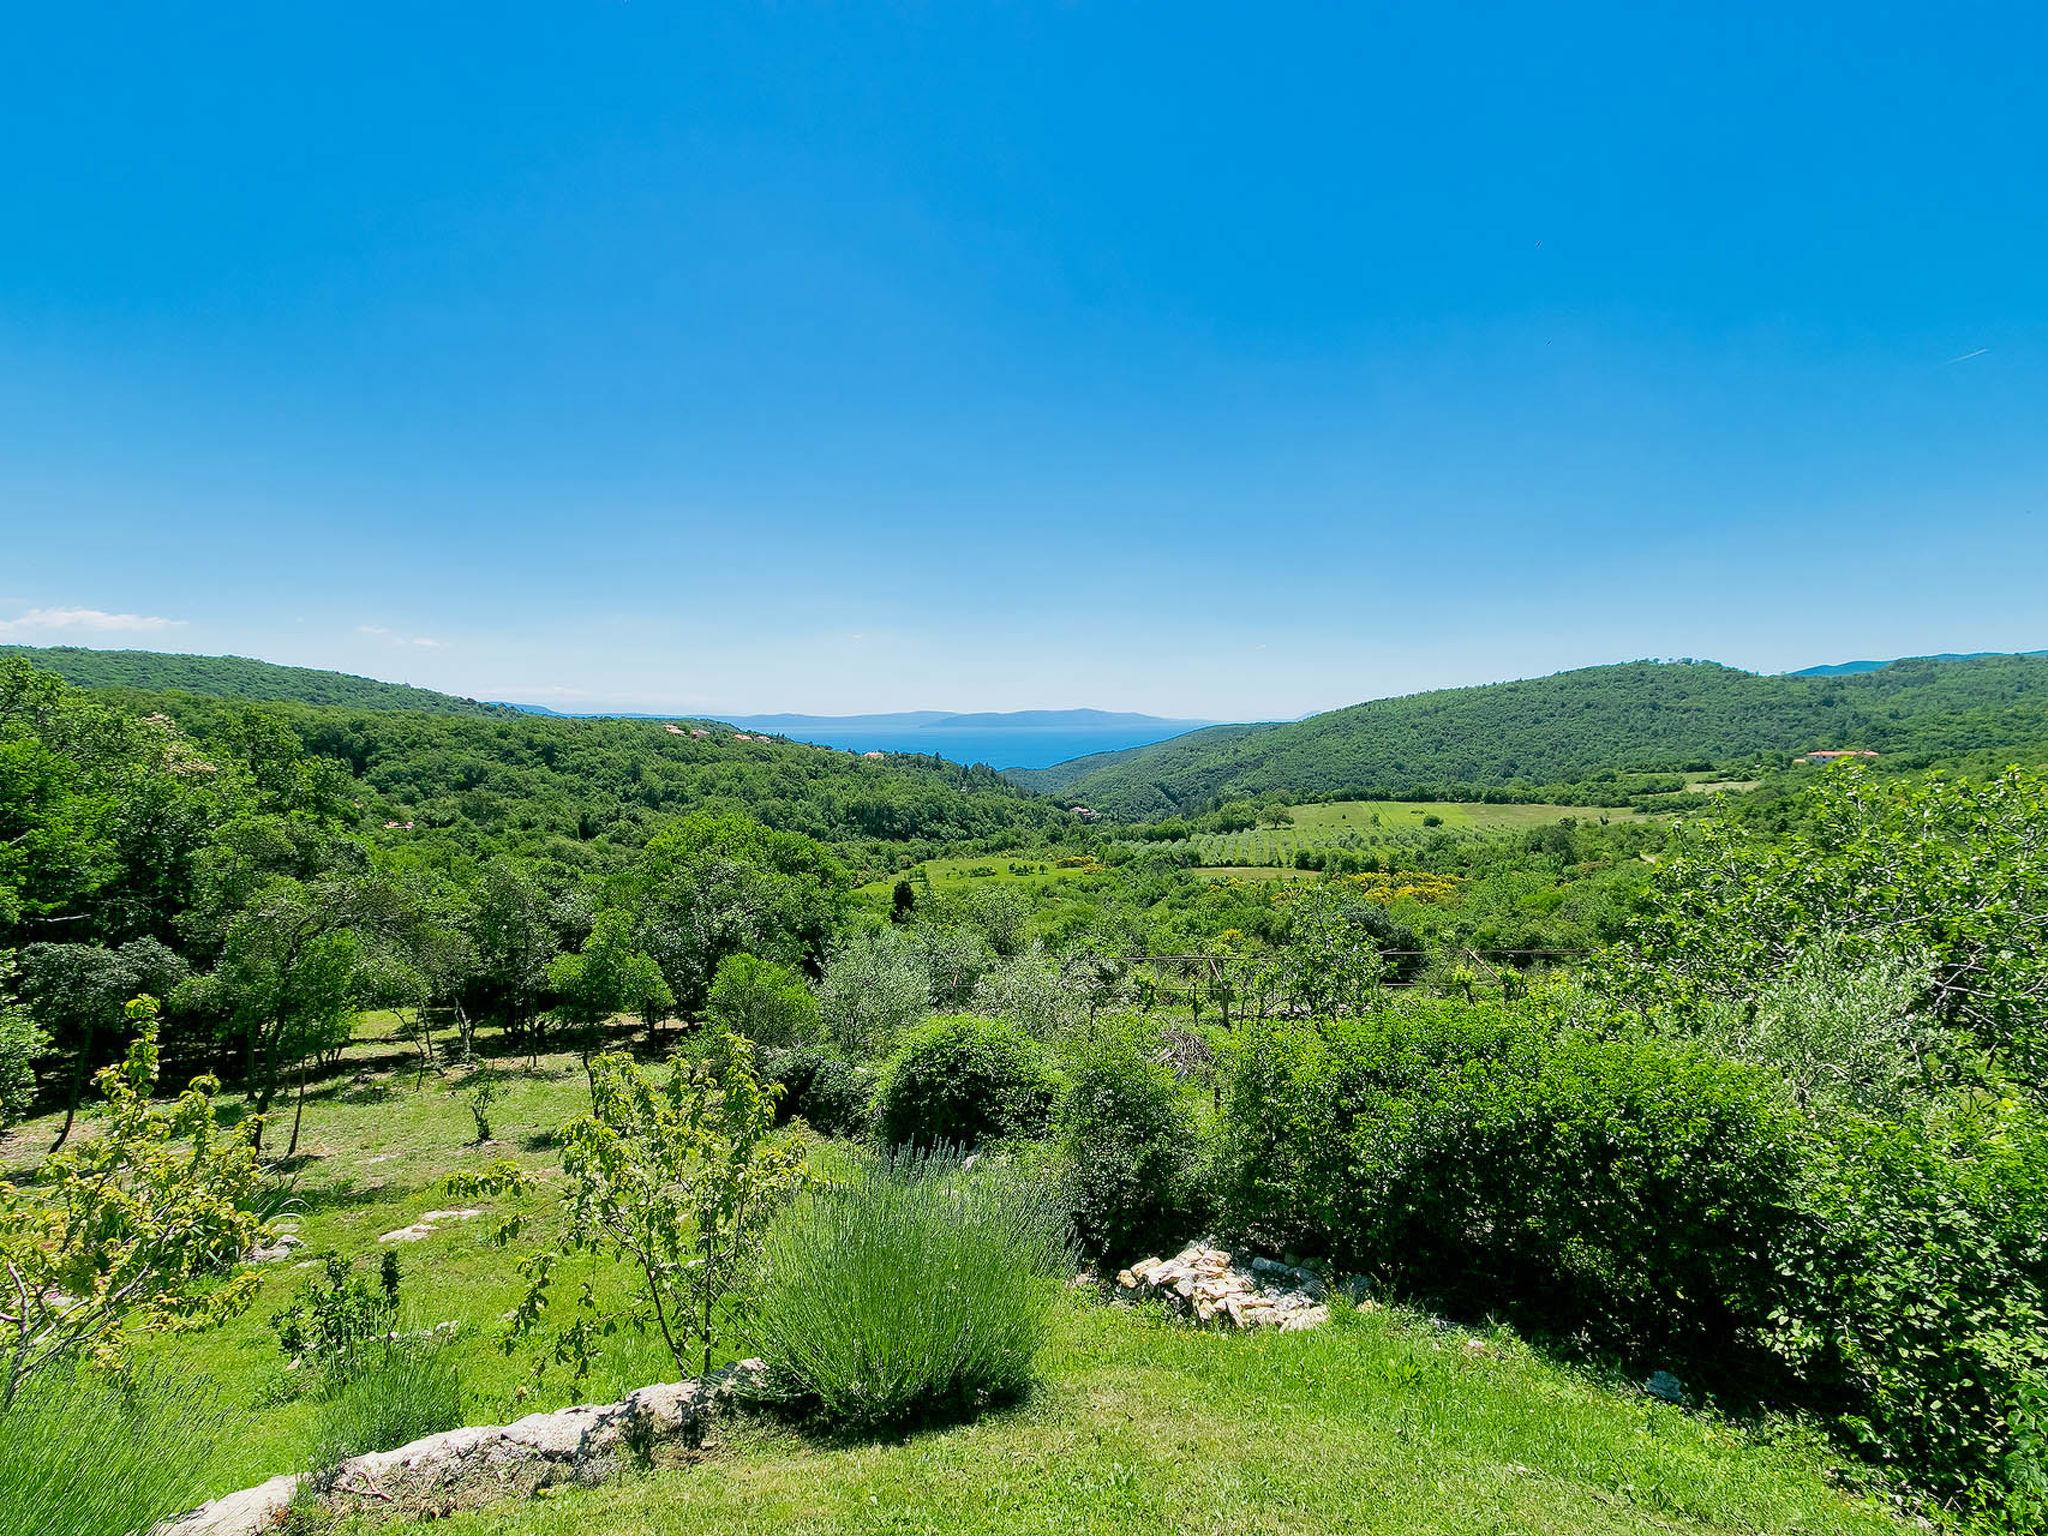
(343, 1195)
(817, 1430)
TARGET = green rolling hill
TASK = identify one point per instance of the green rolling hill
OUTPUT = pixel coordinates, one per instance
(236, 677)
(1461, 743)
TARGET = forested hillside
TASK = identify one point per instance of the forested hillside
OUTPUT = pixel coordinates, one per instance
(1519, 737)
(234, 677)
(586, 792)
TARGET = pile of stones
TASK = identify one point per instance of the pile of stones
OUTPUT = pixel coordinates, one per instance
(1201, 1282)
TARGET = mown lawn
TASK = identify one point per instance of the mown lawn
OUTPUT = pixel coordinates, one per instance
(1379, 1422)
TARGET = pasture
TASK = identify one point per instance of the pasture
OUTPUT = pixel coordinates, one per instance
(950, 876)
(1384, 827)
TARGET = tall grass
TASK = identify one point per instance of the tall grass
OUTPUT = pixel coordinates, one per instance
(915, 1287)
(401, 1392)
(89, 1456)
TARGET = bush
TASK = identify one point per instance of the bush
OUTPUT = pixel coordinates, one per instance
(407, 1389)
(98, 1456)
(820, 1087)
(766, 1002)
(916, 1288)
(964, 1080)
(1916, 1305)
(342, 1324)
(1129, 1143)
(1627, 1193)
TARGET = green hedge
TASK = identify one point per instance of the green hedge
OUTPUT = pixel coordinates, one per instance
(1629, 1194)
(1916, 1298)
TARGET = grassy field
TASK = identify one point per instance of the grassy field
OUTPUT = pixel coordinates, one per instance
(376, 1149)
(1379, 1422)
(1382, 826)
(950, 876)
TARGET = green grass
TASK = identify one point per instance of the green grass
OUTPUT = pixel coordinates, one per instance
(1385, 827)
(1376, 1423)
(376, 1154)
(1034, 871)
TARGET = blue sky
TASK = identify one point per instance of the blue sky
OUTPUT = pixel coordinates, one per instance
(1225, 361)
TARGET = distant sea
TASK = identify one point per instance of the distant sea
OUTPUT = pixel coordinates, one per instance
(1016, 746)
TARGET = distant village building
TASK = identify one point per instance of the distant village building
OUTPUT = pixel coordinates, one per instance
(1836, 754)
(1083, 813)
(673, 730)
(700, 734)
(874, 754)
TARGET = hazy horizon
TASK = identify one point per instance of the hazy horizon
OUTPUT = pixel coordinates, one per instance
(744, 715)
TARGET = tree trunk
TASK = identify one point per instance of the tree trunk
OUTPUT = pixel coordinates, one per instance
(299, 1113)
(78, 1071)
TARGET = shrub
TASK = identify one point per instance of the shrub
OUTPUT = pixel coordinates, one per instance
(1629, 1193)
(955, 957)
(964, 1080)
(1916, 1304)
(917, 1287)
(404, 1390)
(342, 1322)
(91, 1455)
(766, 1002)
(820, 1087)
(1130, 1147)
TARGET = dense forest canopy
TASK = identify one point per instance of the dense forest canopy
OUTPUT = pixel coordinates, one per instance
(233, 677)
(1575, 726)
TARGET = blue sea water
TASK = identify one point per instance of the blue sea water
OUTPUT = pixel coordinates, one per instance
(1000, 747)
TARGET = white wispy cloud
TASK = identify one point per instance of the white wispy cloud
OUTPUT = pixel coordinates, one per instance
(393, 637)
(1965, 357)
(85, 621)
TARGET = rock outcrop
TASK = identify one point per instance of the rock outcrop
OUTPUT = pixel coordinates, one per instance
(1201, 1282)
(427, 1226)
(465, 1468)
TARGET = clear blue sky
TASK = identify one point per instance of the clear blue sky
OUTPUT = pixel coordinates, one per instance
(1226, 361)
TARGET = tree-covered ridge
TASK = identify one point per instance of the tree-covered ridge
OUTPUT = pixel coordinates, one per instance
(234, 677)
(572, 791)
(1577, 726)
